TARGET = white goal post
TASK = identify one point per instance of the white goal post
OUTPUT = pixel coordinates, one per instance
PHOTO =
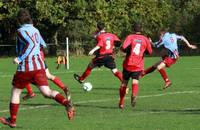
(67, 52)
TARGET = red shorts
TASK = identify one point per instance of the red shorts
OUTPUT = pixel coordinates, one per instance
(169, 61)
(38, 78)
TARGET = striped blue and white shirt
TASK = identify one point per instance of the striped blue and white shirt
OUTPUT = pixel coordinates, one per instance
(28, 46)
(169, 40)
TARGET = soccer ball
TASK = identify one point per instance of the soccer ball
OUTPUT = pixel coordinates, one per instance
(87, 86)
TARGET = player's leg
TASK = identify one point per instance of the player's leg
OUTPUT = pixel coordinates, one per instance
(41, 81)
(163, 74)
(123, 88)
(30, 93)
(135, 76)
(59, 59)
(14, 106)
(20, 80)
(134, 92)
(56, 80)
(150, 69)
(110, 63)
(86, 73)
(49, 93)
(117, 73)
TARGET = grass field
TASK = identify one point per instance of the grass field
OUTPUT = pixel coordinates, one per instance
(177, 108)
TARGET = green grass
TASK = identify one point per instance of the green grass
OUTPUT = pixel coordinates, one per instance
(177, 108)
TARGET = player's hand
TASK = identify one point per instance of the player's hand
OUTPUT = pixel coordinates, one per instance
(193, 47)
(150, 40)
(16, 61)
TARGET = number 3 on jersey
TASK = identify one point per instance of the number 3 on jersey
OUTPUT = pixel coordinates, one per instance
(108, 45)
(136, 49)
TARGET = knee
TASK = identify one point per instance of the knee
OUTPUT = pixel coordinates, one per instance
(47, 94)
(114, 70)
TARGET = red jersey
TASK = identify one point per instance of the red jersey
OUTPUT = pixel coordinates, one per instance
(106, 42)
(137, 44)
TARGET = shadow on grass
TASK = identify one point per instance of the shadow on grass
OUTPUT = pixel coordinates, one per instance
(168, 111)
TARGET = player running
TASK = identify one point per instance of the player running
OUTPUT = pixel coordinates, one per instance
(135, 45)
(54, 79)
(30, 69)
(104, 53)
(169, 54)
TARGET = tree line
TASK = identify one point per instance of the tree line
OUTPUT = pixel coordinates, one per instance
(76, 19)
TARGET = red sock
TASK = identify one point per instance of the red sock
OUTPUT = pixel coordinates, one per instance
(164, 75)
(86, 73)
(149, 70)
(118, 74)
(61, 99)
(29, 89)
(135, 89)
(122, 93)
(59, 83)
(13, 112)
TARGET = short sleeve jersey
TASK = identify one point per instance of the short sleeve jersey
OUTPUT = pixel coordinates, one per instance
(137, 44)
(169, 40)
(106, 42)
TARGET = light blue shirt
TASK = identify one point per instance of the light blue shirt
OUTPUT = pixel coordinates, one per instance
(169, 40)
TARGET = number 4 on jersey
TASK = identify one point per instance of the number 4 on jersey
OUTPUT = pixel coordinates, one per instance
(136, 49)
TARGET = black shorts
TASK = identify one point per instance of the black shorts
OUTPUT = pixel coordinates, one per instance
(133, 75)
(45, 65)
(107, 60)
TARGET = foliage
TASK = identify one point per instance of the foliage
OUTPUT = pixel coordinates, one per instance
(77, 19)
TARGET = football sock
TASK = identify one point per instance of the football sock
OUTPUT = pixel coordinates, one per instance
(29, 89)
(122, 93)
(135, 89)
(61, 99)
(118, 74)
(86, 73)
(13, 112)
(59, 83)
(149, 70)
(164, 75)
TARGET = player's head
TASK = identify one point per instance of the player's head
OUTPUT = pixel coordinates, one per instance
(100, 26)
(24, 16)
(163, 30)
(137, 27)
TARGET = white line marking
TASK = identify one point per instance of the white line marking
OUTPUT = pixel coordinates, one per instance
(107, 100)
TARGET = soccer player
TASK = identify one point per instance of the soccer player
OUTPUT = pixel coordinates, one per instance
(30, 69)
(56, 80)
(169, 54)
(104, 53)
(135, 45)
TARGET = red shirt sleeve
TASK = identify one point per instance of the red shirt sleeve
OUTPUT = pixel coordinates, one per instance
(149, 48)
(99, 41)
(116, 38)
(126, 43)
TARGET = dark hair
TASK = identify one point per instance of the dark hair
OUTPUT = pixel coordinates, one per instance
(164, 29)
(100, 25)
(137, 27)
(24, 16)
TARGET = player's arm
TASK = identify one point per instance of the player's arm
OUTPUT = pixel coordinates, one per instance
(42, 42)
(186, 42)
(126, 45)
(149, 48)
(29, 45)
(93, 50)
(117, 41)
